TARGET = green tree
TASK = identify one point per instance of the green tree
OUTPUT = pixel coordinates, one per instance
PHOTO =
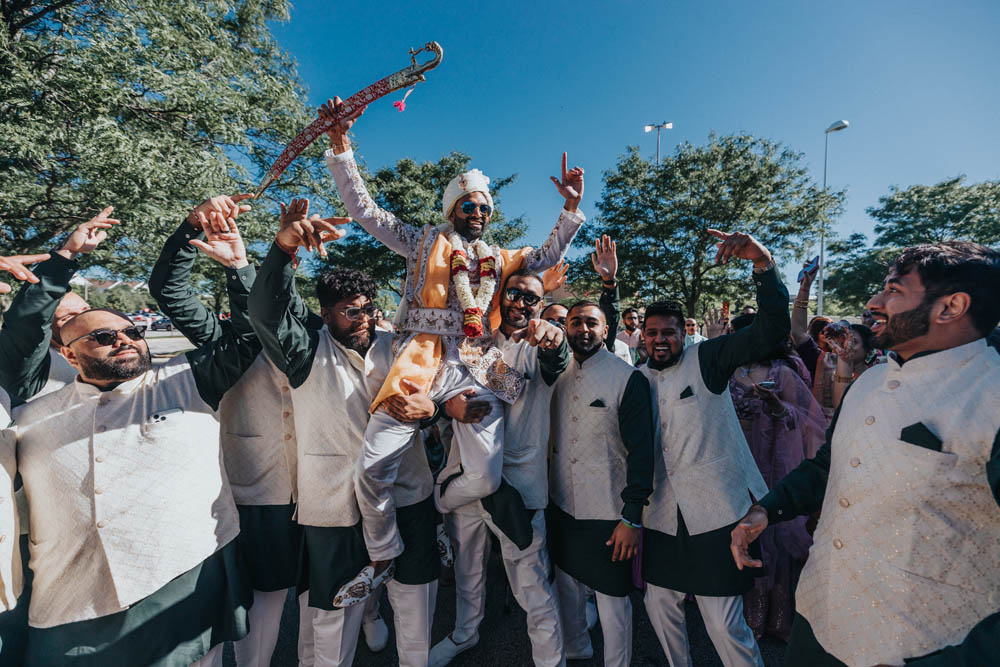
(659, 217)
(412, 192)
(949, 210)
(147, 105)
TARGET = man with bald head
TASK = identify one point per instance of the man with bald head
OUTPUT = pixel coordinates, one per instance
(30, 364)
(132, 518)
(601, 475)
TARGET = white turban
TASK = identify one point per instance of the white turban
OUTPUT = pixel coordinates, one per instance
(463, 184)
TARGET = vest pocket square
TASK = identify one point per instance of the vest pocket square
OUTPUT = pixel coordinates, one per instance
(598, 403)
(921, 436)
(687, 393)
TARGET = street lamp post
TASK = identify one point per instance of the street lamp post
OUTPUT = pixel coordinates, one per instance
(834, 127)
(658, 126)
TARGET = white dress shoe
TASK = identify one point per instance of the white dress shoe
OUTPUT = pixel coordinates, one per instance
(445, 650)
(376, 633)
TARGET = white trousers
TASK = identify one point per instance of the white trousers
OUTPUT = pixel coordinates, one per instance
(330, 638)
(616, 621)
(413, 614)
(723, 618)
(477, 461)
(211, 659)
(527, 572)
(264, 618)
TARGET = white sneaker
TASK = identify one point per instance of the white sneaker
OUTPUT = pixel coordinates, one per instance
(445, 551)
(376, 633)
(446, 650)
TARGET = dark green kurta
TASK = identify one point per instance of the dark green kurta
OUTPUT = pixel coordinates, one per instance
(269, 538)
(703, 564)
(291, 343)
(205, 606)
(27, 329)
(802, 492)
(578, 546)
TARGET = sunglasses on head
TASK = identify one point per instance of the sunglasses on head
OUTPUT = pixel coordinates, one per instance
(109, 336)
(354, 313)
(512, 294)
(469, 208)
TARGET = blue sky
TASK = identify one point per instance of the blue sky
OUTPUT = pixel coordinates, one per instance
(522, 81)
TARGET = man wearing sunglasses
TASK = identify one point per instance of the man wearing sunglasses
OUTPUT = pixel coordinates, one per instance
(257, 428)
(31, 366)
(331, 374)
(515, 512)
(132, 519)
(448, 311)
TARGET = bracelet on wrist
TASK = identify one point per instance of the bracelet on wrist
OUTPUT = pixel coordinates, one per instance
(842, 378)
(293, 252)
(799, 303)
(630, 524)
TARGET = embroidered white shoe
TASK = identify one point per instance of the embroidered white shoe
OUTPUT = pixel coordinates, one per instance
(445, 551)
(446, 650)
(376, 633)
(356, 590)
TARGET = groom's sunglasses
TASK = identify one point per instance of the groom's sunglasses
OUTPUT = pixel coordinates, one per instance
(512, 294)
(469, 208)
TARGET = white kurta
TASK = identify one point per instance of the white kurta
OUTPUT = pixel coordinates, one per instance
(10, 555)
(126, 490)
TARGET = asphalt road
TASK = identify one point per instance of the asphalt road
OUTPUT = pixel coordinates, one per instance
(503, 637)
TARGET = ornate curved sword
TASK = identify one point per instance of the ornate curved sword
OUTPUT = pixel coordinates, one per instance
(352, 105)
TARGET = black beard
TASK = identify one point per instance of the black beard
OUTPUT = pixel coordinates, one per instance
(505, 315)
(462, 227)
(585, 349)
(905, 326)
(111, 368)
(359, 341)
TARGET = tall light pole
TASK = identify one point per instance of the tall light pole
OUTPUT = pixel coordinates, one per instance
(658, 126)
(834, 127)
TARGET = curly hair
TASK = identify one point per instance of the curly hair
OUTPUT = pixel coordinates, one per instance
(668, 309)
(339, 284)
(958, 266)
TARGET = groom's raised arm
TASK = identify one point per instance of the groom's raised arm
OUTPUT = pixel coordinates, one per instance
(570, 186)
(395, 234)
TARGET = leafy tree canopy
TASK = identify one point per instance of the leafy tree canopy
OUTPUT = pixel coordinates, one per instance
(659, 217)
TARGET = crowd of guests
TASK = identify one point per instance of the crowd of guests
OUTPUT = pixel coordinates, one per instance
(833, 485)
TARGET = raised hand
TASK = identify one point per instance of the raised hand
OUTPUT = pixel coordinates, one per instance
(89, 235)
(605, 258)
(742, 246)
(554, 276)
(715, 323)
(338, 132)
(15, 265)
(540, 333)
(746, 531)
(228, 206)
(570, 186)
(298, 228)
(223, 241)
(770, 398)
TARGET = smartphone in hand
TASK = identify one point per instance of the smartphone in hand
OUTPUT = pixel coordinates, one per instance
(811, 268)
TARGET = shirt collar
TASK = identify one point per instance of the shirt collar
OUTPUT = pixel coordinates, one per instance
(937, 359)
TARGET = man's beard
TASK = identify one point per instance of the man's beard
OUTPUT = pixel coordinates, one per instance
(359, 341)
(585, 344)
(523, 317)
(905, 326)
(467, 232)
(113, 368)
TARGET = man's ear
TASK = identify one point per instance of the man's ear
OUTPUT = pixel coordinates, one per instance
(951, 308)
(70, 357)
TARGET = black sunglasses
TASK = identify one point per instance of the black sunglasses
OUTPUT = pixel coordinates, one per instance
(512, 294)
(353, 313)
(558, 321)
(469, 208)
(109, 336)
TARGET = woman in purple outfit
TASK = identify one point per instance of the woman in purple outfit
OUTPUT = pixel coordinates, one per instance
(783, 425)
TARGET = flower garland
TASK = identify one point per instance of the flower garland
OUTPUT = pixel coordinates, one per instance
(474, 305)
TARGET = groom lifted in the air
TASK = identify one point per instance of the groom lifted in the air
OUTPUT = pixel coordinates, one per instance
(443, 348)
